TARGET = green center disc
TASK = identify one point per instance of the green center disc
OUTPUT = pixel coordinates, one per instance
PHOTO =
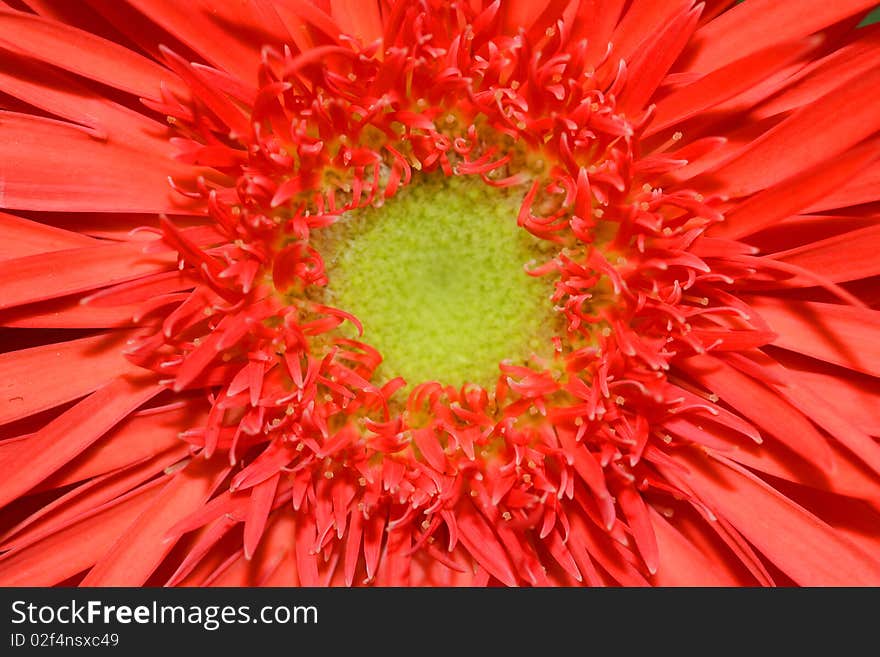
(436, 277)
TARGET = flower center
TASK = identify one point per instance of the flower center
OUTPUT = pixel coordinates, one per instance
(436, 277)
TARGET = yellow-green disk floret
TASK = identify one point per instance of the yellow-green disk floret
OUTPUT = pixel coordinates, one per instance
(436, 276)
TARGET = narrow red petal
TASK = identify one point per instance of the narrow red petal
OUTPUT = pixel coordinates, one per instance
(525, 14)
(196, 24)
(479, 539)
(273, 564)
(50, 448)
(359, 18)
(60, 94)
(83, 499)
(258, 513)
(636, 512)
(222, 107)
(85, 54)
(595, 22)
(602, 548)
(845, 257)
(22, 237)
(140, 436)
(50, 165)
(202, 550)
(797, 143)
(139, 550)
(806, 549)
(639, 24)
(850, 478)
(68, 313)
(36, 277)
(299, 16)
(843, 335)
(832, 418)
(724, 84)
(306, 559)
(40, 378)
(795, 194)
(857, 395)
(863, 187)
(836, 422)
(758, 24)
(653, 61)
(823, 76)
(70, 551)
(395, 569)
(681, 562)
(762, 406)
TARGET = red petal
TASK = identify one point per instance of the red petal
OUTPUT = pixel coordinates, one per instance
(595, 22)
(275, 553)
(22, 237)
(50, 165)
(581, 555)
(681, 562)
(724, 84)
(201, 547)
(69, 313)
(358, 18)
(640, 23)
(841, 258)
(850, 477)
(525, 15)
(45, 87)
(38, 277)
(587, 466)
(863, 187)
(794, 194)
(717, 414)
(758, 24)
(429, 445)
(806, 549)
(395, 568)
(483, 545)
(636, 512)
(824, 75)
(605, 551)
(140, 436)
(262, 496)
(140, 549)
(52, 447)
(70, 551)
(85, 54)
(304, 543)
(353, 546)
(763, 406)
(299, 15)
(219, 104)
(36, 379)
(374, 529)
(843, 335)
(710, 152)
(653, 60)
(835, 421)
(83, 499)
(797, 143)
(856, 395)
(563, 555)
(206, 28)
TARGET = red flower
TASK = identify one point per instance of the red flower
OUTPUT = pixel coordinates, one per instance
(214, 365)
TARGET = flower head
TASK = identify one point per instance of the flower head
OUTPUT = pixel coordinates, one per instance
(429, 293)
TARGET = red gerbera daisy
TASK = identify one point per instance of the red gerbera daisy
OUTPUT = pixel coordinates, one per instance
(411, 292)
